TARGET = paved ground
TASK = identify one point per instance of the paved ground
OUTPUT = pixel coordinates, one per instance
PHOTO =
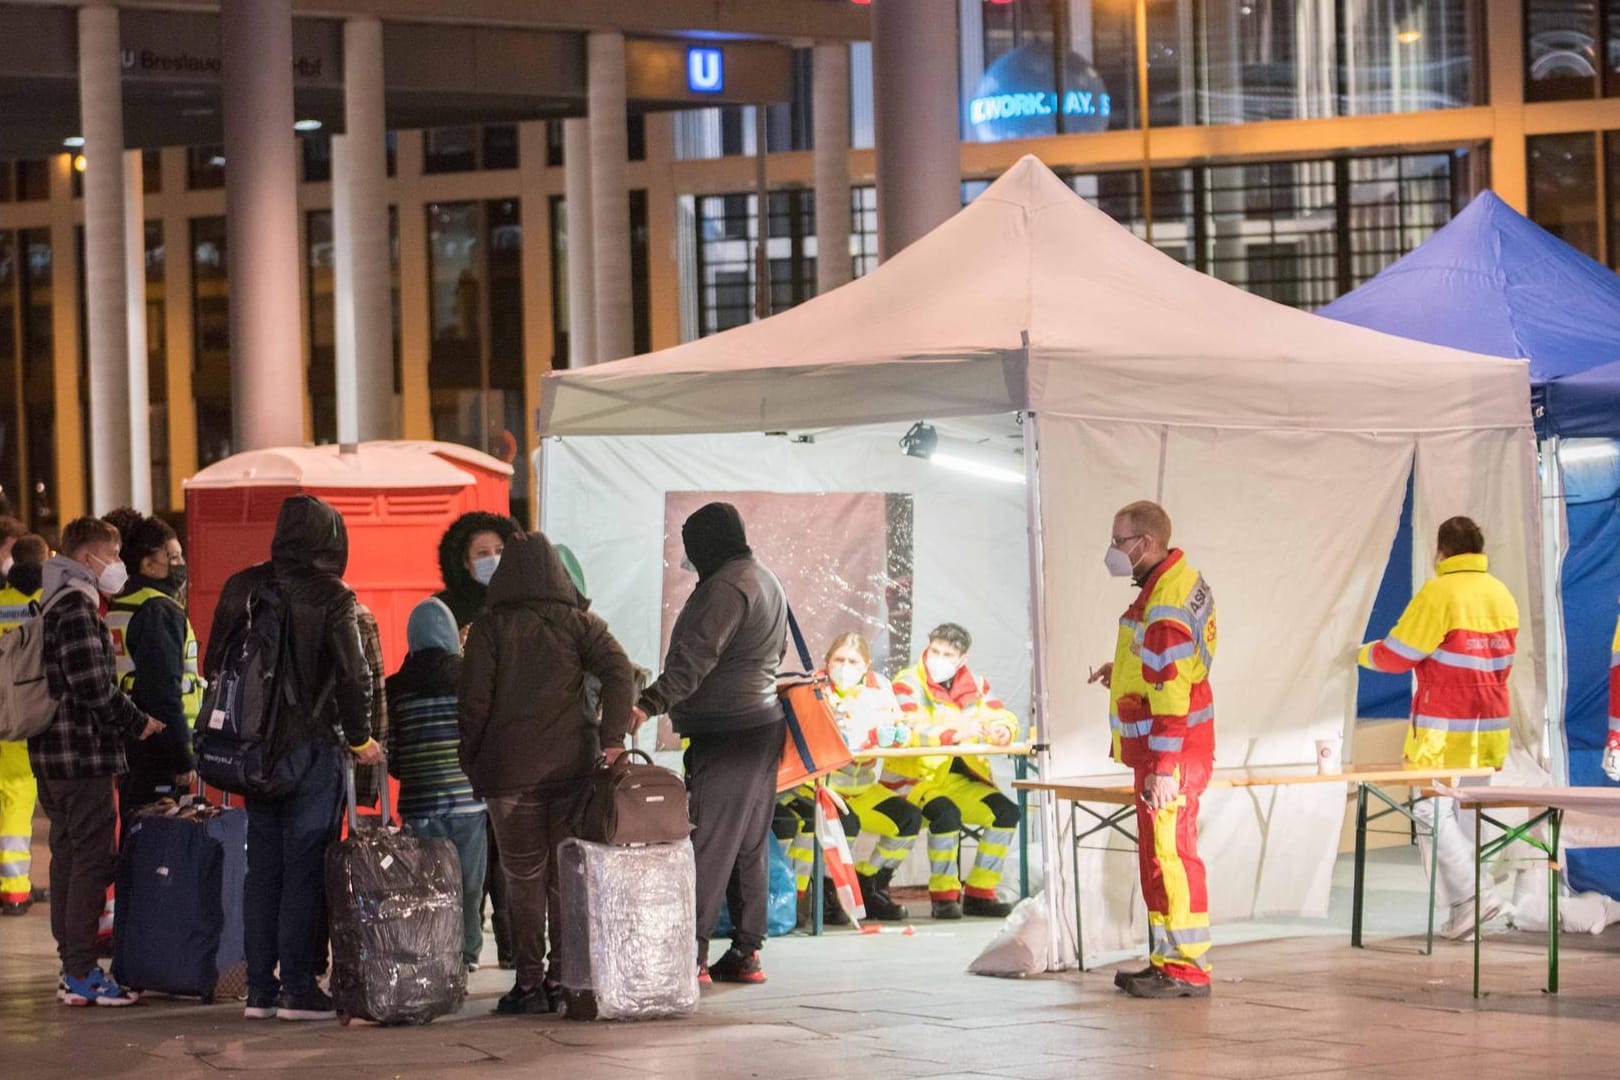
(900, 1006)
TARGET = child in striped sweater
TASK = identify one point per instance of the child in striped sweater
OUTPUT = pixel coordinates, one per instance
(435, 796)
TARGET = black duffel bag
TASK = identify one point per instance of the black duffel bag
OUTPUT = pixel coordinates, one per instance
(633, 801)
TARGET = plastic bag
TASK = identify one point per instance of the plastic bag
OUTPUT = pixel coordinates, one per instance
(782, 906)
(1020, 948)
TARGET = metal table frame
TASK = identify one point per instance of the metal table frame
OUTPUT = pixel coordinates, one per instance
(1489, 849)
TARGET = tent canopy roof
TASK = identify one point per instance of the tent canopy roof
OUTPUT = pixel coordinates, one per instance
(1492, 281)
(1030, 298)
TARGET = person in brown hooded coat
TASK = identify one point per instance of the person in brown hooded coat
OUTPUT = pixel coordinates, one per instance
(529, 739)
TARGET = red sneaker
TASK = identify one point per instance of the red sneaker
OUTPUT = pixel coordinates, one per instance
(703, 976)
(737, 967)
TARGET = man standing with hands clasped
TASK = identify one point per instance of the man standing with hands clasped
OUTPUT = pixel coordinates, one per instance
(1162, 715)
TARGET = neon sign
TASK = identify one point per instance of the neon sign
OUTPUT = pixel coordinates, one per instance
(705, 71)
(1017, 106)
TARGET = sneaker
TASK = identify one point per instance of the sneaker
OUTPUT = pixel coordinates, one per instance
(261, 1005)
(106, 990)
(521, 1001)
(472, 967)
(1121, 977)
(75, 993)
(1460, 927)
(981, 907)
(313, 1004)
(945, 909)
(704, 978)
(737, 967)
(1160, 985)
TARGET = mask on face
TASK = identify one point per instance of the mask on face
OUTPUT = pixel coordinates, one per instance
(846, 676)
(1118, 563)
(484, 569)
(177, 576)
(941, 670)
(112, 579)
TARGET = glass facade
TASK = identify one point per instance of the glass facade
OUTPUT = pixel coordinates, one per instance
(1572, 49)
(211, 336)
(475, 367)
(470, 147)
(157, 373)
(27, 379)
(320, 279)
(1575, 190)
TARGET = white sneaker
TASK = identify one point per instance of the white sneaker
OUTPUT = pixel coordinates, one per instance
(1460, 927)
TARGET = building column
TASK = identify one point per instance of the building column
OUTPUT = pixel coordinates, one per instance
(830, 82)
(68, 497)
(1503, 33)
(106, 279)
(415, 319)
(140, 389)
(610, 197)
(365, 377)
(580, 233)
(915, 95)
(261, 224)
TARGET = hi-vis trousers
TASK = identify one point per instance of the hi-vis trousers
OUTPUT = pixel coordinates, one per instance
(1173, 878)
(17, 791)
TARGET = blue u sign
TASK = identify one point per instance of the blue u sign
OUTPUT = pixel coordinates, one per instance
(705, 71)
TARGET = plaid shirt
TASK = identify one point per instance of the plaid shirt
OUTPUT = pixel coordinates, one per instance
(86, 739)
(367, 780)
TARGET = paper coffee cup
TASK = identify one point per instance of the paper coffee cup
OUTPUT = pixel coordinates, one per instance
(1327, 756)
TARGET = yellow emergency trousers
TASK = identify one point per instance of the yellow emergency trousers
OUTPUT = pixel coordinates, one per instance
(17, 788)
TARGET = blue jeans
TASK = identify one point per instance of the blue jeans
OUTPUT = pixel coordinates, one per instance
(284, 911)
(466, 832)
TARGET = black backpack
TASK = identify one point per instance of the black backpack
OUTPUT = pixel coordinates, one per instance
(240, 730)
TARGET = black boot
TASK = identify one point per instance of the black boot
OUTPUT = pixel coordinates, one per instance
(804, 913)
(984, 908)
(832, 912)
(879, 906)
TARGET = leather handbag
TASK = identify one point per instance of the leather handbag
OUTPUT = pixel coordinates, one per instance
(633, 801)
(815, 745)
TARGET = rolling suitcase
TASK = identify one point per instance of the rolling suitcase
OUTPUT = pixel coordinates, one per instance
(629, 946)
(180, 877)
(395, 905)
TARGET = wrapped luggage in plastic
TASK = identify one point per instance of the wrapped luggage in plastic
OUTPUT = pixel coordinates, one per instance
(395, 905)
(629, 945)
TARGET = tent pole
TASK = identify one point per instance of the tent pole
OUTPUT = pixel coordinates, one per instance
(1040, 720)
(1553, 549)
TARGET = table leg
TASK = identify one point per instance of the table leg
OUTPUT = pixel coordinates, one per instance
(1020, 771)
(1553, 870)
(818, 872)
(1478, 818)
(1074, 860)
(1434, 868)
(1357, 889)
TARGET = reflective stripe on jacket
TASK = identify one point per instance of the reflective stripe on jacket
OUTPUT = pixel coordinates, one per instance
(936, 714)
(1458, 635)
(1614, 686)
(16, 607)
(1161, 706)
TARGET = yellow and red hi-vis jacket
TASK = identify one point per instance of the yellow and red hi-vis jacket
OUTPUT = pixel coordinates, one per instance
(1458, 634)
(966, 711)
(1614, 689)
(1161, 707)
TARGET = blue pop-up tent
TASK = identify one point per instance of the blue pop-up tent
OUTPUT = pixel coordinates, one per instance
(1494, 282)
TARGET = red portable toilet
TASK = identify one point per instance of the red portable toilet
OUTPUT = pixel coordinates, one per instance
(396, 498)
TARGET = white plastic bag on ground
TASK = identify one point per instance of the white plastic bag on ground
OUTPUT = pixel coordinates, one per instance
(1020, 948)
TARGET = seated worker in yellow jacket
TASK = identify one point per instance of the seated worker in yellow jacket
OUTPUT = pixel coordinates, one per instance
(946, 704)
(19, 595)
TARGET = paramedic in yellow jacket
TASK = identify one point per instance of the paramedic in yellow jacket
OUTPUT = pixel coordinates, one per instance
(156, 654)
(945, 704)
(1458, 636)
(17, 790)
(869, 717)
(1162, 716)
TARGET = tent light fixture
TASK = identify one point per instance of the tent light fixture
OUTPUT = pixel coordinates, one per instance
(920, 441)
(73, 142)
(306, 125)
(983, 470)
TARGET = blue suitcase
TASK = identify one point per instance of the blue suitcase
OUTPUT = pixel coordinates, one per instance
(181, 872)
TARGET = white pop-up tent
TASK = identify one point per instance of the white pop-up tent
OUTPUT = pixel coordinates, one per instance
(1281, 444)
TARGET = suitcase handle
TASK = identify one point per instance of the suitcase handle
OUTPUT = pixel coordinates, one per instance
(352, 801)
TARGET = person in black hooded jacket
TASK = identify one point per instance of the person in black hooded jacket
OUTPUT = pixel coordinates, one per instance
(469, 551)
(529, 742)
(285, 910)
(719, 689)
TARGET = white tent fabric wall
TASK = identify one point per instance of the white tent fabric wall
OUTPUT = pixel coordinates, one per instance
(605, 499)
(1280, 441)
